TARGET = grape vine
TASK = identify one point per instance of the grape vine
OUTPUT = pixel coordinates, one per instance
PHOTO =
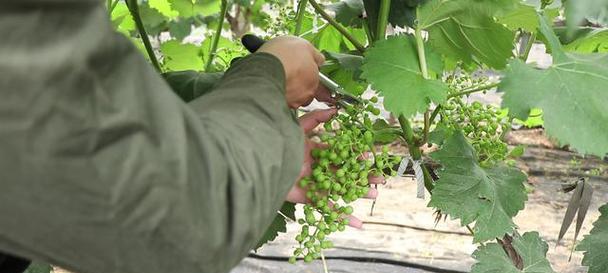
(423, 59)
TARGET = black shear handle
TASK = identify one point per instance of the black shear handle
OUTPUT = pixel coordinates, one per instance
(251, 42)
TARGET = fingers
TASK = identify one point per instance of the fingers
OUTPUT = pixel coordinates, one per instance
(322, 94)
(312, 119)
(372, 194)
(355, 222)
(374, 179)
(319, 58)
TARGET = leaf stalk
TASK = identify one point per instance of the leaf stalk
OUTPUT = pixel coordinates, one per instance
(300, 16)
(134, 10)
(217, 35)
(385, 7)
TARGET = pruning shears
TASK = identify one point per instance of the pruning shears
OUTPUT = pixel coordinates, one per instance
(252, 43)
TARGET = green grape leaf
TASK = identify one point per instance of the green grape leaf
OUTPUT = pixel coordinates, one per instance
(490, 196)
(345, 70)
(595, 245)
(328, 38)
(180, 29)
(37, 267)
(465, 30)
(189, 8)
(594, 42)
(278, 224)
(346, 61)
(579, 10)
(348, 12)
(384, 133)
(571, 93)
(164, 7)
(492, 258)
(393, 69)
(190, 84)
(469, 35)
(154, 21)
(122, 20)
(524, 17)
(440, 134)
(178, 56)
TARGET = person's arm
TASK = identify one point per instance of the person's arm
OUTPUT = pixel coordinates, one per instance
(104, 170)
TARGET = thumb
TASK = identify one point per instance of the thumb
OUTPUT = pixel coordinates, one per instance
(312, 119)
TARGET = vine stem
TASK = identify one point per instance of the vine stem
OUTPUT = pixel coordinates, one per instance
(217, 35)
(134, 10)
(337, 26)
(421, 54)
(425, 74)
(300, 16)
(435, 113)
(410, 139)
(476, 89)
(385, 7)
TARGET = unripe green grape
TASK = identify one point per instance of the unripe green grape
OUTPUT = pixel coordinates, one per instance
(374, 99)
(327, 244)
(310, 219)
(292, 259)
(309, 244)
(317, 248)
(308, 258)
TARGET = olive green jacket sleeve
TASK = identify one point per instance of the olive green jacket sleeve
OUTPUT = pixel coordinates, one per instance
(104, 170)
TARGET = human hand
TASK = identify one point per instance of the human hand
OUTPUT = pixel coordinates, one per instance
(301, 63)
(297, 194)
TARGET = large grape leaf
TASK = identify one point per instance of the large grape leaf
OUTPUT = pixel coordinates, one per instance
(278, 224)
(465, 30)
(164, 7)
(595, 245)
(345, 69)
(122, 20)
(154, 21)
(190, 84)
(327, 38)
(348, 12)
(594, 42)
(572, 94)
(490, 196)
(492, 258)
(393, 69)
(524, 17)
(178, 56)
(189, 8)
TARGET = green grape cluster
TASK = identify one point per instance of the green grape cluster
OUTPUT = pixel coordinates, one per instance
(283, 22)
(339, 177)
(483, 125)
